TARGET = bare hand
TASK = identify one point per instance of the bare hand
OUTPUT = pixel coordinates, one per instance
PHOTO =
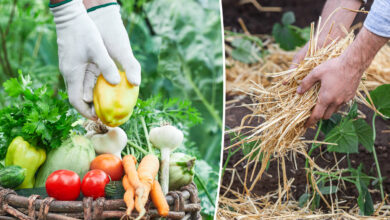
(339, 82)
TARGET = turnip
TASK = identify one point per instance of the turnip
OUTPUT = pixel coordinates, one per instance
(106, 140)
(166, 138)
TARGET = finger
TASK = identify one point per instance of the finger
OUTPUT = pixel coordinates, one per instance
(317, 114)
(133, 71)
(89, 82)
(106, 64)
(75, 91)
(308, 81)
(330, 110)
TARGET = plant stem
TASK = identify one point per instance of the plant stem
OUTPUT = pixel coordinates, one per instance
(376, 158)
(146, 135)
(208, 106)
(137, 147)
(205, 189)
(230, 154)
(313, 145)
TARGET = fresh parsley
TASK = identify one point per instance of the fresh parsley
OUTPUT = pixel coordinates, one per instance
(40, 116)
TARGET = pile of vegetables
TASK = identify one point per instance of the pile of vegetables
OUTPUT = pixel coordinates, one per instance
(86, 157)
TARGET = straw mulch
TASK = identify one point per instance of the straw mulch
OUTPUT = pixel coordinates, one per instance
(240, 76)
(254, 207)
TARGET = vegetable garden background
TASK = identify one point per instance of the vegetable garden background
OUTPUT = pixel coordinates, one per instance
(178, 44)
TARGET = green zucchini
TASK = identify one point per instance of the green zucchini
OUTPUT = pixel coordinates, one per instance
(12, 176)
(114, 190)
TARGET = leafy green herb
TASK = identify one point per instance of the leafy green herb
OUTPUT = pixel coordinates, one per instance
(288, 36)
(37, 115)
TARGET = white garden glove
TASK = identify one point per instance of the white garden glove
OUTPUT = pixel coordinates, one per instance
(79, 44)
(108, 20)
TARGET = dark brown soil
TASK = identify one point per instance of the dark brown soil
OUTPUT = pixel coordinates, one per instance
(306, 11)
(269, 180)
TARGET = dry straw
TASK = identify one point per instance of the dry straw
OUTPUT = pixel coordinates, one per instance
(283, 112)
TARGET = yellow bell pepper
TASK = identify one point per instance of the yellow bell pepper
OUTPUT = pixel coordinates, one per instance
(23, 154)
(114, 104)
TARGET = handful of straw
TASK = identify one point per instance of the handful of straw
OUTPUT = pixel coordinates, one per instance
(283, 111)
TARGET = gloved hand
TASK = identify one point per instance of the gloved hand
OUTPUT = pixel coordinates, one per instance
(79, 44)
(108, 20)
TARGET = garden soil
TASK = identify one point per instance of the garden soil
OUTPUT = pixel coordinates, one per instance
(306, 11)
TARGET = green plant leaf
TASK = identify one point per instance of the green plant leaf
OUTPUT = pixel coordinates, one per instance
(303, 199)
(327, 190)
(287, 37)
(353, 113)
(245, 51)
(364, 133)
(380, 97)
(344, 135)
(366, 206)
(288, 18)
(328, 125)
(304, 32)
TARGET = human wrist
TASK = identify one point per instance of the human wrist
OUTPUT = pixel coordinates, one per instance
(95, 3)
(363, 49)
(66, 11)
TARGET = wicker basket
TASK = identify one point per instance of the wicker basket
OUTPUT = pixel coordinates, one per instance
(183, 204)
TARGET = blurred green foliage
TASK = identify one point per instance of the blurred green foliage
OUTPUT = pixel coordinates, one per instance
(289, 36)
(179, 46)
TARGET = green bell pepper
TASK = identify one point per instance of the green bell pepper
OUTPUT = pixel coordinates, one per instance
(21, 153)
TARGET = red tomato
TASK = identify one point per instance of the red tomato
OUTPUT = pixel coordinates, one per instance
(63, 185)
(93, 183)
(110, 164)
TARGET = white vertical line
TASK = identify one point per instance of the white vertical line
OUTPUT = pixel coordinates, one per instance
(223, 109)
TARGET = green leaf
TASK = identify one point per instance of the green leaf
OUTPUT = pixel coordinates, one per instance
(327, 190)
(304, 32)
(344, 135)
(245, 51)
(380, 97)
(303, 199)
(364, 133)
(12, 87)
(328, 125)
(364, 200)
(287, 37)
(288, 18)
(353, 112)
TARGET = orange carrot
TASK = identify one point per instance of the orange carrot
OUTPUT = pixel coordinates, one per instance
(129, 162)
(159, 199)
(128, 197)
(147, 172)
